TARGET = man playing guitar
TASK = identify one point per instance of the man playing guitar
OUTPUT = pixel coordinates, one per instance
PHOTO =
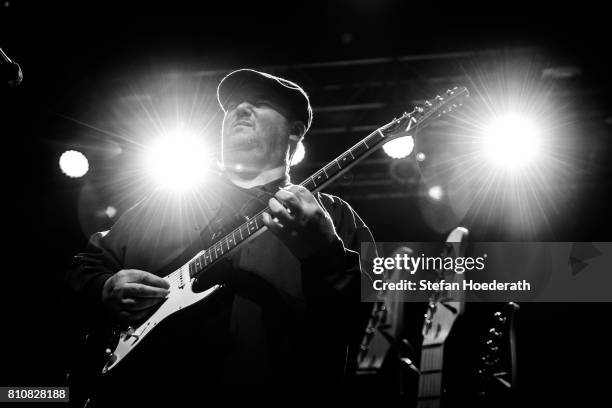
(289, 305)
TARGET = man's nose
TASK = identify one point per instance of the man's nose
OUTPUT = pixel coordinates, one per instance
(244, 107)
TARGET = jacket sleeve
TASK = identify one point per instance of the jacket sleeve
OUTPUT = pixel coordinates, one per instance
(89, 270)
(332, 280)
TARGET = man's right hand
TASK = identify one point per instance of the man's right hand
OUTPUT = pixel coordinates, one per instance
(130, 293)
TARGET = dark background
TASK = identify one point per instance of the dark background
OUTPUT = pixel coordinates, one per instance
(79, 61)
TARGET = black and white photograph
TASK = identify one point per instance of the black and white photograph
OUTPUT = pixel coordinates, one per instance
(344, 203)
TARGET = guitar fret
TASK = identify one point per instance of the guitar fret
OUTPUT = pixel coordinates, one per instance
(331, 166)
(359, 149)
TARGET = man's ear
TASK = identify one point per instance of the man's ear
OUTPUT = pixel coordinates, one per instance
(297, 131)
(296, 134)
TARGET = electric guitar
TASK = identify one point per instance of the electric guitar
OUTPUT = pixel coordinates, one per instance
(442, 311)
(181, 295)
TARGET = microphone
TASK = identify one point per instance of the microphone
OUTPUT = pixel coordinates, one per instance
(10, 71)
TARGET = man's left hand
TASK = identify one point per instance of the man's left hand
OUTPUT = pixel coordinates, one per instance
(299, 220)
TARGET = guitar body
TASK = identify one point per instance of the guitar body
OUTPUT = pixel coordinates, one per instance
(173, 339)
(181, 297)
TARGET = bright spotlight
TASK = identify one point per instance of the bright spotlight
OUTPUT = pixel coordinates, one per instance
(435, 192)
(178, 160)
(73, 164)
(400, 147)
(299, 154)
(511, 141)
(110, 211)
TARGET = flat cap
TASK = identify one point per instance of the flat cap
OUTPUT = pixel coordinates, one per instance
(237, 81)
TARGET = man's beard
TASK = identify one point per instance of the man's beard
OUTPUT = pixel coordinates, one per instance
(248, 149)
(244, 151)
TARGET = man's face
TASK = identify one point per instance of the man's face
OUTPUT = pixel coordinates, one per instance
(255, 130)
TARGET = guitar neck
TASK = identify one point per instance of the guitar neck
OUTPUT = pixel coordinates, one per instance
(335, 168)
(254, 224)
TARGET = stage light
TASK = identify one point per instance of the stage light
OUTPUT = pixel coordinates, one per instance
(420, 156)
(73, 164)
(511, 141)
(435, 192)
(400, 147)
(178, 160)
(110, 211)
(299, 154)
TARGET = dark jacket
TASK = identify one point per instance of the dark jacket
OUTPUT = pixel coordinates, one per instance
(277, 322)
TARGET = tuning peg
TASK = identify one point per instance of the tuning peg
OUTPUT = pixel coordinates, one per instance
(438, 98)
(494, 333)
(428, 104)
(499, 317)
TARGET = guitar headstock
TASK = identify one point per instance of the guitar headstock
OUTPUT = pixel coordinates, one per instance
(421, 115)
(497, 365)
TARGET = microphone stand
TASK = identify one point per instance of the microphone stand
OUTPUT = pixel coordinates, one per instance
(10, 72)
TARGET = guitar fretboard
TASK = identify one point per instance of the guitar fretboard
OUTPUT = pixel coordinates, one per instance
(318, 180)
